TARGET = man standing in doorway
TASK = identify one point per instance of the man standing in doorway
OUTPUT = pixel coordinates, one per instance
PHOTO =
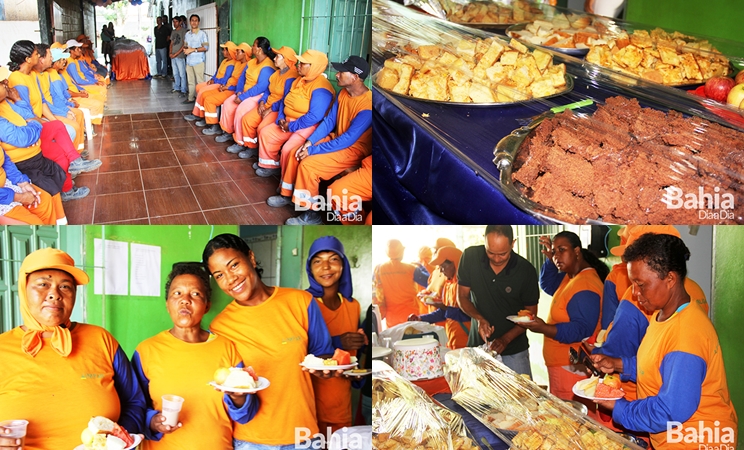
(495, 282)
(162, 34)
(195, 48)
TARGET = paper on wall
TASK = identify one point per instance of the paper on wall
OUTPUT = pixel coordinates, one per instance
(145, 273)
(111, 259)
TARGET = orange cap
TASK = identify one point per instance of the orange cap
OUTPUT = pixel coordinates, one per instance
(318, 63)
(447, 254)
(246, 48)
(290, 57)
(636, 231)
(443, 242)
(231, 48)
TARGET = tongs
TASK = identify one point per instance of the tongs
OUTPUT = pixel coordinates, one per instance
(554, 110)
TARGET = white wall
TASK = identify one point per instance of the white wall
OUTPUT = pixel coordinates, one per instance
(700, 266)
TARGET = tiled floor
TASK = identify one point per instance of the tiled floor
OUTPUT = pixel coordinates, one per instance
(160, 169)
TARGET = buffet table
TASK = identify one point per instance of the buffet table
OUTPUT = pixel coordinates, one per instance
(130, 60)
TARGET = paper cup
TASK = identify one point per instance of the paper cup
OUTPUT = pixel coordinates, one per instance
(171, 408)
(17, 429)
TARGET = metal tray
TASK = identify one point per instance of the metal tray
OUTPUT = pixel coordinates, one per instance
(569, 88)
(576, 52)
(505, 154)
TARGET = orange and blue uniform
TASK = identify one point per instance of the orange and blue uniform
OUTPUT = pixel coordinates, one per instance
(47, 212)
(251, 86)
(59, 107)
(60, 395)
(92, 103)
(395, 291)
(342, 140)
(28, 89)
(252, 123)
(165, 365)
(575, 313)
(274, 337)
(304, 106)
(357, 183)
(222, 77)
(681, 378)
(212, 97)
(75, 69)
(615, 284)
(333, 395)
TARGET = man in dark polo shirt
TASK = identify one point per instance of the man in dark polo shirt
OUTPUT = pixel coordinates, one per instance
(495, 282)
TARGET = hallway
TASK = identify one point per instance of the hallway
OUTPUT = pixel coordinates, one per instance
(160, 169)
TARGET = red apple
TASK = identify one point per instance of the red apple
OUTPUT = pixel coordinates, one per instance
(736, 96)
(717, 88)
(739, 77)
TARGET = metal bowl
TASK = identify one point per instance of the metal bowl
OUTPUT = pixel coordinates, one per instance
(578, 406)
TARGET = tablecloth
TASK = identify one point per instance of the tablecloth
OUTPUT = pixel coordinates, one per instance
(131, 66)
(477, 429)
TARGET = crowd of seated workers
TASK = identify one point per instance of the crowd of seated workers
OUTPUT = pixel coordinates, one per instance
(50, 98)
(280, 107)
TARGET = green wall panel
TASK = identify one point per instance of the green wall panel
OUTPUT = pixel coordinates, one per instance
(279, 21)
(291, 253)
(132, 319)
(721, 18)
(728, 310)
(358, 247)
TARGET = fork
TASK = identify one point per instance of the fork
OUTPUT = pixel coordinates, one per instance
(554, 110)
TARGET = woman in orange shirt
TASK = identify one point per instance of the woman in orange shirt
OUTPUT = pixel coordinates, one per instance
(329, 273)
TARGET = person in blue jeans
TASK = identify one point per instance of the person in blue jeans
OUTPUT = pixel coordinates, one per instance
(162, 35)
(178, 58)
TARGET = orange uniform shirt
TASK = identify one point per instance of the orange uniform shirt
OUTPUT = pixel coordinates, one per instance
(297, 101)
(273, 338)
(398, 291)
(333, 395)
(276, 85)
(173, 366)
(554, 352)
(16, 154)
(57, 395)
(689, 331)
(26, 85)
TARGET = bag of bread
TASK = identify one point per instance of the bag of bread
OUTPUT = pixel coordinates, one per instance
(404, 417)
(519, 411)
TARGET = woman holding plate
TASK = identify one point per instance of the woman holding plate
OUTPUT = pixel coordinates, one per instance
(182, 361)
(274, 328)
(329, 273)
(679, 370)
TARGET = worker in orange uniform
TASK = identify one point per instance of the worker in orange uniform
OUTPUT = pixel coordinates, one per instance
(457, 323)
(304, 107)
(393, 288)
(76, 68)
(268, 106)
(205, 109)
(218, 81)
(78, 95)
(342, 140)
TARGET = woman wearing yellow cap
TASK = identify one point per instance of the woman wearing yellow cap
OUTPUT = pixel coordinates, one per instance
(56, 373)
(220, 78)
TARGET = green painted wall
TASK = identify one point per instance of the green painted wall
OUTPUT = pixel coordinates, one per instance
(278, 21)
(132, 319)
(290, 246)
(357, 245)
(728, 309)
(721, 18)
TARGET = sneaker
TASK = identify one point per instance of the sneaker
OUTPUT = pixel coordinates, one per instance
(213, 130)
(187, 101)
(190, 117)
(277, 201)
(201, 123)
(173, 91)
(261, 172)
(248, 153)
(182, 94)
(255, 167)
(75, 193)
(82, 165)
(306, 218)
(235, 148)
(224, 137)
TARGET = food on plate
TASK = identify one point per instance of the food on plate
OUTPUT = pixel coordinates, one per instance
(105, 434)
(564, 31)
(607, 391)
(601, 336)
(612, 381)
(628, 164)
(526, 313)
(490, 12)
(661, 57)
(588, 385)
(236, 377)
(473, 71)
(339, 358)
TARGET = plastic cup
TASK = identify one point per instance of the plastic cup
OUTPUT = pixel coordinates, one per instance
(171, 408)
(16, 428)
